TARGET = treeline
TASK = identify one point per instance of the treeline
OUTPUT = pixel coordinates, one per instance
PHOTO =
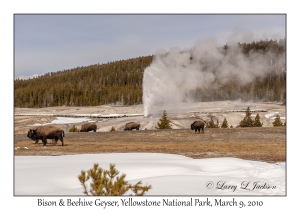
(114, 82)
(121, 82)
(271, 87)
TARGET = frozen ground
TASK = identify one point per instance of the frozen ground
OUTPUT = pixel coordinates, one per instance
(181, 115)
(168, 174)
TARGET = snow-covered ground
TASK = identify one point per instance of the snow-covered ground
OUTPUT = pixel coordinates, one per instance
(117, 116)
(65, 120)
(168, 174)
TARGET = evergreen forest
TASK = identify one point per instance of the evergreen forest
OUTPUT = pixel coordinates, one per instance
(120, 82)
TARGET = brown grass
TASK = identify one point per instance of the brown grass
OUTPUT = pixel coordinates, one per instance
(261, 144)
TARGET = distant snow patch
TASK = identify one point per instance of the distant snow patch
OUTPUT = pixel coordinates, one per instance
(271, 114)
(65, 120)
(252, 115)
(273, 118)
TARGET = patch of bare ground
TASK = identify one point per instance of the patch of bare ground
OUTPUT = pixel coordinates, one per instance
(262, 144)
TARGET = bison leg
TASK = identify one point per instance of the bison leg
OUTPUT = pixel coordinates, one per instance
(62, 141)
(36, 141)
(55, 140)
(44, 141)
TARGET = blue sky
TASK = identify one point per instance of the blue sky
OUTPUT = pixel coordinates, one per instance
(49, 43)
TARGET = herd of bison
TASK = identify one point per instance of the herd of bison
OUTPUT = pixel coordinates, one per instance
(51, 132)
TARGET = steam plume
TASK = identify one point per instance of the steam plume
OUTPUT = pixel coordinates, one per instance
(172, 75)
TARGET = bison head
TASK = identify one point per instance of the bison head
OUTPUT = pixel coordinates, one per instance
(192, 126)
(31, 134)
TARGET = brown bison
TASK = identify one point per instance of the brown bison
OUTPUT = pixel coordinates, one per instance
(198, 125)
(46, 132)
(88, 127)
(132, 125)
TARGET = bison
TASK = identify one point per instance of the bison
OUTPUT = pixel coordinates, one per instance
(132, 125)
(88, 127)
(46, 132)
(198, 125)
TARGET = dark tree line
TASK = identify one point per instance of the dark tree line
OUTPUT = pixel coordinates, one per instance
(271, 87)
(121, 82)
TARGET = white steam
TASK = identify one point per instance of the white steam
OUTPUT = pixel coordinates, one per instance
(170, 77)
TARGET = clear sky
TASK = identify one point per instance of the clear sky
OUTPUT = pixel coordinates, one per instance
(49, 43)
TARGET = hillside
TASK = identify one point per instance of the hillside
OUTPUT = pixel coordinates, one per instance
(120, 82)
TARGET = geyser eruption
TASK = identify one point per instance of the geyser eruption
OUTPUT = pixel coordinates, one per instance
(172, 75)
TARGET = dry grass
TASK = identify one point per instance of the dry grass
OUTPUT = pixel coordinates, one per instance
(262, 144)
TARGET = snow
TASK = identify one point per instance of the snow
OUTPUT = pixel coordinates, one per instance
(80, 118)
(252, 115)
(65, 120)
(113, 115)
(88, 115)
(281, 118)
(271, 114)
(167, 173)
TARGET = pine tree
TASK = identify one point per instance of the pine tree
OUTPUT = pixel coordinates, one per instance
(277, 121)
(224, 124)
(108, 183)
(122, 80)
(257, 122)
(74, 129)
(164, 123)
(247, 121)
(212, 124)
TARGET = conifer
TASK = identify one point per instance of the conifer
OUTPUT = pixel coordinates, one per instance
(257, 122)
(108, 183)
(212, 124)
(247, 121)
(277, 121)
(164, 123)
(224, 124)
(122, 81)
(74, 129)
